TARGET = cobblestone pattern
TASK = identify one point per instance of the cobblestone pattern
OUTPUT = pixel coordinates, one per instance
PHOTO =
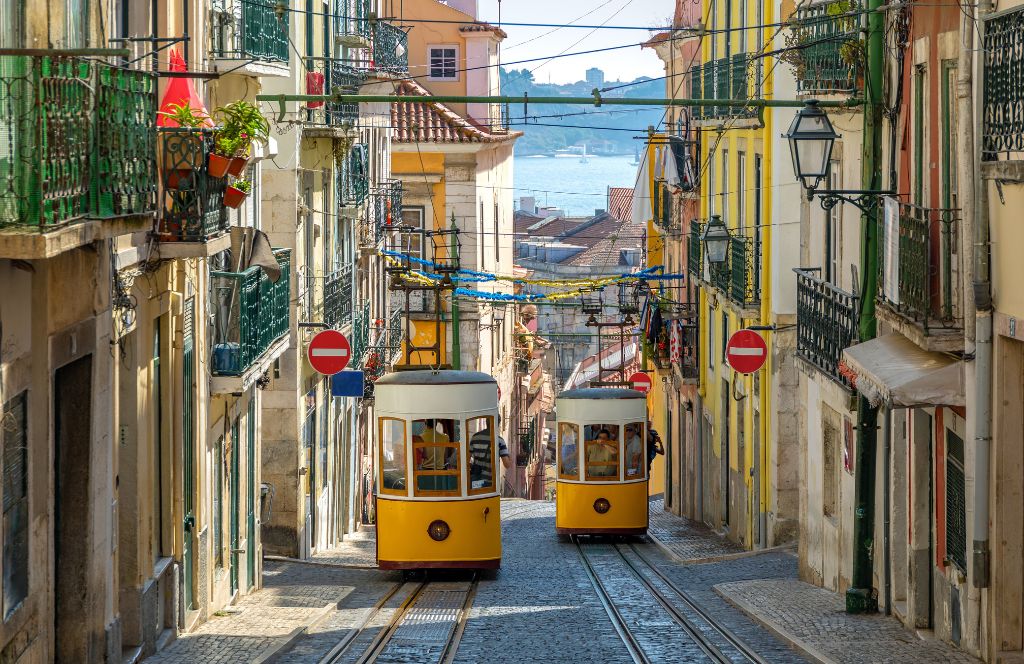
(358, 549)
(688, 540)
(378, 622)
(816, 619)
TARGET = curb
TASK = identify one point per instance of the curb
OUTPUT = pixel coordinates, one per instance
(317, 563)
(784, 636)
(714, 559)
(271, 652)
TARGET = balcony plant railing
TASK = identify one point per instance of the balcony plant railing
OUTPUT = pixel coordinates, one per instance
(725, 78)
(927, 288)
(250, 30)
(193, 199)
(825, 48)
(77, 140)
(338, 297)
(826, 322)
(390, 49)
(250, 314)
(744, 270)
(1003, 60)
(352, 23)
(327, 76)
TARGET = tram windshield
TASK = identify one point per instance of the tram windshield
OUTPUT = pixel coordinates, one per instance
(633, 444)
(481, 454)
(568, 451)
(602, 447)
(392, 456)
(435, 444)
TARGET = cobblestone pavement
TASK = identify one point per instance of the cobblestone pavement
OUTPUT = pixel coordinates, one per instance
(815, 619)
(689, 542)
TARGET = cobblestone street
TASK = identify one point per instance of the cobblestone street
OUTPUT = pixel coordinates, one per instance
(542, 606)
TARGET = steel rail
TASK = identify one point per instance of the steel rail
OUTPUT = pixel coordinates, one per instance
(339, 649)
(381, 640)
(452, 647)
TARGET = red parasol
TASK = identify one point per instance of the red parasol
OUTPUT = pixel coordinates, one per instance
(179, 91)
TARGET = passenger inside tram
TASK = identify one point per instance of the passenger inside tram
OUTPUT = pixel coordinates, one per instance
(603, 453)
(569, 454)
(634, 450)
(392, 434)
(481, 453)
(436, 447)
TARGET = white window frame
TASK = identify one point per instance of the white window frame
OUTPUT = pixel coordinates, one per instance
(430, 66)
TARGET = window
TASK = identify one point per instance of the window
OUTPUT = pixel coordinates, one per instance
(635, 458)
(950, 199)
(443, 63)
(711, 339)
(919, 136)
(833, 230)
(568, 451)
(724, 184)
(481, 239)
(741, 191)
(742, 26)
(435, 445)
(602, 449)
(14, 436)
(412, 231)
(956, 502)
(497, 243)
(156, 478)
(480, 431)
(392, 456)
(757, 217)
(711, 190)
(218, 502)
(76, 26)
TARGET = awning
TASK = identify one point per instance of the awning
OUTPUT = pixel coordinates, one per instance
(896, 372)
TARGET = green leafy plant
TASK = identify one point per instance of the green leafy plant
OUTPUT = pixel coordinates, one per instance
(185, 116)
(803, 40)
(240, 123)
(243, 185)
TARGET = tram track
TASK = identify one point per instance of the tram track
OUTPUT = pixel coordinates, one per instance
(639, 619)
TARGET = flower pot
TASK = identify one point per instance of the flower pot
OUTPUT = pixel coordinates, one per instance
(237, 166)
(217, 165)
(179, 178)
(234, 197)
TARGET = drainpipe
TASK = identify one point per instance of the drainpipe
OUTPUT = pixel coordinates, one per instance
(982, 334)
(456, 349)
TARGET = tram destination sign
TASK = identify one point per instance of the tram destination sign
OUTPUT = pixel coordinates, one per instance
(329, 352)
(746, 351)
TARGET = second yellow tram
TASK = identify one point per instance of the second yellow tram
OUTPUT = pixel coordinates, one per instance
(601, 462)
(437, 470)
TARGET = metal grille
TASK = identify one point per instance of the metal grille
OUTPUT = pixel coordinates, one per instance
(828, 50)
(743, 267)
(194, 200)
(14, 434)
(338, 297)
(351, 22)
(1003, 106)
(725, 78)
(826, 323)
(693, 253)
(360, 334)
(354, 182)
(125, 142)
(390, 49)
(330, 76)
(251, 29)
(956, 502)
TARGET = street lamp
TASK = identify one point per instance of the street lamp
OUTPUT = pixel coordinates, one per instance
(716, 240)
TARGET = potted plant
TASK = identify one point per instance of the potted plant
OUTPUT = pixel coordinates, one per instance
(184, 116)
(236, 193)
(241, 123)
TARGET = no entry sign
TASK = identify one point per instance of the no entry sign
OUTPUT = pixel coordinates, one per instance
(641, 382)
(746, 351)
(329, 352)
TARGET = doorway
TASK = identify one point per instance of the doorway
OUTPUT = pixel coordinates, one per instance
(724, 441)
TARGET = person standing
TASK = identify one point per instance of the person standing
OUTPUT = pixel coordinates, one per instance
(654, 445)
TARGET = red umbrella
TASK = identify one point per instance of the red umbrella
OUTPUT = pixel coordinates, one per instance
(180, 91)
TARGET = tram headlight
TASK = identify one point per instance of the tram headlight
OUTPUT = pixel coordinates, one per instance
(601, 505)
(439, 530)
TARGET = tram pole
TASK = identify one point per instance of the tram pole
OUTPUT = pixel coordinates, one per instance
(456, 350)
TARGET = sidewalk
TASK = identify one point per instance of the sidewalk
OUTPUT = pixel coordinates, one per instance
(685, 541)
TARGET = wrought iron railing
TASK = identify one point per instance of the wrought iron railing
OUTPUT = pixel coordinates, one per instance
(694, 257)
(1003, 58)
(726, 78)
(826, 322)
(327, 76)
(390, 49)
(354, 175)
(250, 313)
(386, 207)
(193, 208)
(250, 29)
(77, 140)
(352, 22)
(744, 268)
(928, 267)
(827, 51)
(360, 334)
(338, 293)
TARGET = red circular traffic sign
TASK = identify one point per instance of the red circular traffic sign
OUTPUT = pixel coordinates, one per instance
(641, 382)
(746, 351)
(329, 352)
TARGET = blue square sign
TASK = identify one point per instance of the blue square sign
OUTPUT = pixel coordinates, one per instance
(347, 384)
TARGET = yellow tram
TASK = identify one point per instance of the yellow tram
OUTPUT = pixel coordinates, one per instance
(602, 462)
(437, 470)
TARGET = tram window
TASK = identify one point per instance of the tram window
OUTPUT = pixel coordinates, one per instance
(481, 454)
(568, 451)
(435, 444)
(392, 456)
(633, 455)
(602, 451)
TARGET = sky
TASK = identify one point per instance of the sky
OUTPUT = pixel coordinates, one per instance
(623, 64)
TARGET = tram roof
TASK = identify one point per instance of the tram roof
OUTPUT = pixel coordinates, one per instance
(430, 377)
(602, 393)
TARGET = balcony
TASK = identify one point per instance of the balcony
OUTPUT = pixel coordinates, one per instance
(331, 119)
(354, 177)
(738, 278)
(694, 250)
(251, 320)
(251, 36)
(385, 210)
(352, 23)
(826, 50)
(390, 49)
(726, 78)
(338, 298)
(360, 340)
(826, 323)
(663, 206)
(386, 348)
(919, 284)
(677, 341)
(1002, 136)
(77, 145)
(193, 200)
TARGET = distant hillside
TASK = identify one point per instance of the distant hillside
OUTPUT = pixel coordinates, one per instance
(553, 126)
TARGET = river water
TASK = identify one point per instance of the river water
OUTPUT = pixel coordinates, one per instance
(565, 183)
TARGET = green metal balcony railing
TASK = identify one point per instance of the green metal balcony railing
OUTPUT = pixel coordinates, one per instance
(390, 49)
(826, 322)
(250, 313)
(744, 271)
(928, 272)
(251, 30)
(193, 208)
(828, 49)
(1003, 60)
(732, 77)
(361, 324)
(694, 257)
(386, 207)
(77, 140)
(354, 176)
(386, 347)
(327, 76)
(338, 297)
(352, 22)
